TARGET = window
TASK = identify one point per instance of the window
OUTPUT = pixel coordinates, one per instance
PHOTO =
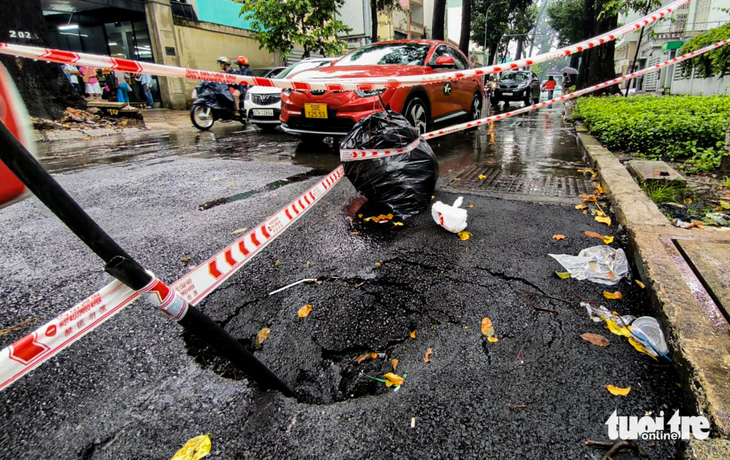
(391, 53)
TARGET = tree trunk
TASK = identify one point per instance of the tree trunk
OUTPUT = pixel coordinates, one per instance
(597, 63)
(465, 27)
(518, 52)
(439, 16)
(374, 20)
(43, 86)
(725, 161)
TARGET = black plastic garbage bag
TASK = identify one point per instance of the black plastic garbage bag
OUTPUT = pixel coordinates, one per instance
(214, 95)
(404, 183)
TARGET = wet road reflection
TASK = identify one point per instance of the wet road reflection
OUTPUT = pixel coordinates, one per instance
(535, 143)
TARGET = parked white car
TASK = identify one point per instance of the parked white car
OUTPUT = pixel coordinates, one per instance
(263, 103)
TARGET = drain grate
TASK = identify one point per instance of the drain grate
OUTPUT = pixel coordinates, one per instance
(524, 186)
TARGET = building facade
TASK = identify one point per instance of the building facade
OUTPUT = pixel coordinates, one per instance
(189, 33)
(661, 42)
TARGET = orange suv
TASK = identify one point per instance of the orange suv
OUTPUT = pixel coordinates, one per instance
(314, 115)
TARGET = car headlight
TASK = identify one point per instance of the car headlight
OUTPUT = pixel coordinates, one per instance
(247, 96)
(370, 92)
(523, 85)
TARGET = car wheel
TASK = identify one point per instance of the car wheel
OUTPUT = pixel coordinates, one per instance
(202, 117)
(476, 107)
(417, 115)
(494, 101)
(530, 98)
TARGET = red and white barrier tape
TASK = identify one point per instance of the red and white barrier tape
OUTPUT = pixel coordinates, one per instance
(34, 349)
(347, 155)
(346, 84)
(360, 154)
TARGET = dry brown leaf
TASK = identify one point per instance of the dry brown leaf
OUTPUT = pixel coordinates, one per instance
(590, 198)
(596, 339)
(581, 206)
(355, 233)
(304, 311)
(364, 356)
(277, 263)
(185, 260)
(309, 264)
(590, 234)
(394, 363)
(470, 206)
(426, 359)
(613, 295)
(487, 327)
(558, 237)
(239, 230)
(262, 336)
(493, 339)
(616, 391)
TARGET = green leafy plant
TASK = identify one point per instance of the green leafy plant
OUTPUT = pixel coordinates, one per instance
(664, 192)
(726, 182)
(678, 128)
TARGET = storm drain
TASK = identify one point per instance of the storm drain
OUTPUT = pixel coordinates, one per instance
(524, 186)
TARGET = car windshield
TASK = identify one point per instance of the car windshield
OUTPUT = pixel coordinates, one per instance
(515, 76)
(300, 67)
(387, 53)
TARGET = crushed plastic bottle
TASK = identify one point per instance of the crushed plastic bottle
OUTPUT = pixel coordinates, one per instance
(600, 264)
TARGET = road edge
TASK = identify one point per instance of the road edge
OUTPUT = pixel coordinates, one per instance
(702, 350)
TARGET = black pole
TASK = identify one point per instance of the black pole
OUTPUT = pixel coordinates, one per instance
(120, 264)
(633, 64)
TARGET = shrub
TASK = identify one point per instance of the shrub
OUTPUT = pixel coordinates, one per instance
(676, 128)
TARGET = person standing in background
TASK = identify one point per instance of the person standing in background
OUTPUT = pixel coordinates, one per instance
(91, 82)
(73, 75)
(122, 87)
(549, 86)
(146, 82)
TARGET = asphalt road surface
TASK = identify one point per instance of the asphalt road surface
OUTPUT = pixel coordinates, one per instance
(139, 387)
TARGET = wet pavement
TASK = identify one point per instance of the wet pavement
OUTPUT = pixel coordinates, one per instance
(139, 387)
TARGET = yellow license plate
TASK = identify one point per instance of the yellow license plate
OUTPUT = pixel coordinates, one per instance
(315, 110)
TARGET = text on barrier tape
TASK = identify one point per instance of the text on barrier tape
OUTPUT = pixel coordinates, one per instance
(346, 84)
(356, 155)
(48, 340)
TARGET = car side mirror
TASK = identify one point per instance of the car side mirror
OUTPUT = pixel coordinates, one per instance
(444, 61)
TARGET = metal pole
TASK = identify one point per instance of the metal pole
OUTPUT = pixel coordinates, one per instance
(120, 264)
(633, 65)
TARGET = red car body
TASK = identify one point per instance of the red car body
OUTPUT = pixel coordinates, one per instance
(440, 102)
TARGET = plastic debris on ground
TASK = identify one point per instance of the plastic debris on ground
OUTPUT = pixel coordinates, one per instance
(452, 218)
(401, 184)
(600, 264)
(643, 333)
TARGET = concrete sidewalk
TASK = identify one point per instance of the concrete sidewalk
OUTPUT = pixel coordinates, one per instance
(688, 271)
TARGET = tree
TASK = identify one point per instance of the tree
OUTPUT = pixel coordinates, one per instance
(715, 62)
(501, 15)
(375, 7)
(465, 36)
(597, 63)
(45, 89)
(439, 17)
(280, 25)
(521, 23)
(566, 17)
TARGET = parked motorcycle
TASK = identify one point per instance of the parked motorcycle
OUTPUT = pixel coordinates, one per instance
(214, 102)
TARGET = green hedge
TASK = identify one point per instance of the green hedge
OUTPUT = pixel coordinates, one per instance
(676, 128)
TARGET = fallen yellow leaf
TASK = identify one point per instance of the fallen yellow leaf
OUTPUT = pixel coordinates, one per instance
(240, 230)
(585, 212)
(464, 235)
(413, 334)
(398, 224)
(394, 363)
(607, 239)
(558, 237)
(493, 339)
(355, 233)
(393, 379)
(590, 198)
(185, 260)
(262, 336)
(595, 339)
(470, 206)
(600, 189)
(433, 196)
(487, 327)
(359, 216)
(613, 295)
(586, 171)
(364, 356)
(641, 285)
(277, 263)
(195, 449)
(599, 213)
(604, 220)
(688, 200)
(581, 206)
(426, 359)
(304, 311)
(563, 275)
(616, 391)
(378, 264)
(482, 177)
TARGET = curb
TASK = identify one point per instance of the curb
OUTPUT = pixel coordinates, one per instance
(702, 348)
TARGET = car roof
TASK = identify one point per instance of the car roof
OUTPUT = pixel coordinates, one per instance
(419, 41)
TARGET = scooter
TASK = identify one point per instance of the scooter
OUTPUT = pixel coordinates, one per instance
(214, 102)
